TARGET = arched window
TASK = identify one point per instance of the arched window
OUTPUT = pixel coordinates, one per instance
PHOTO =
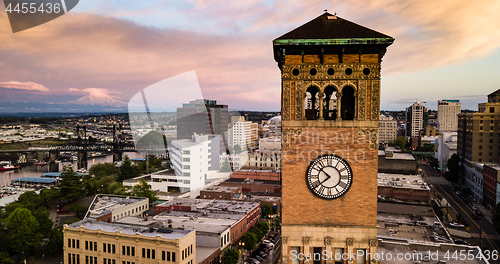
(330, 103)
(347, 103)
(312, 103)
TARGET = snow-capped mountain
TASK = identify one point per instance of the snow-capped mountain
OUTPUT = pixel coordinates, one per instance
(99, 97)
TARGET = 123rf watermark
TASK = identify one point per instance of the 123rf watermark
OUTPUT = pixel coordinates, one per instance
(429, 255)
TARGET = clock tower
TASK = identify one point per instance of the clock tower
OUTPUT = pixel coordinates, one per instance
(330, 108)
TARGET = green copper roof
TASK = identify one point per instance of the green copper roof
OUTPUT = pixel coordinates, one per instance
(328, 29)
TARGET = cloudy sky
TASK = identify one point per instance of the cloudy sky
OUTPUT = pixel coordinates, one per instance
(445, 49)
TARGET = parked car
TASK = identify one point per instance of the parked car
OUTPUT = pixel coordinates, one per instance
(253, 261)
(257, 257)
(265, 241)
(479, 213)
(456, 225)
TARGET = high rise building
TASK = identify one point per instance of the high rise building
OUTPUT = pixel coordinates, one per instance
(329, 194)
(478, 138)
(415, 119)
(388, 129)
(447, 115)
(240, 133)
(203, 117)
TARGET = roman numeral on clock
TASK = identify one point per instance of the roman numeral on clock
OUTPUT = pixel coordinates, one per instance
(315, 184)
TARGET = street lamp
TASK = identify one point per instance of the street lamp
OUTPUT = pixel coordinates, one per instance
(242, 244)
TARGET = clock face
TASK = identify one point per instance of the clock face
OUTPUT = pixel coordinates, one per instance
(329, 176)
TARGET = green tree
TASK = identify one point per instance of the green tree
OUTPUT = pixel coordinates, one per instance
(399, 142)
(453, 173)
(127, 170)
(78, 210)
(230, 256)
(267, 209)
(250, 240)
(4, 258)
(237, 149)
(44, 223)
(226, 167)
(23, 230)
(70, 186)
(55, 243)
(261, 229)
(277, 222)
(143, 189)
(103, 169)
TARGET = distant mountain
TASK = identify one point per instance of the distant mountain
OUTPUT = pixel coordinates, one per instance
(99, 98)
(85, 105)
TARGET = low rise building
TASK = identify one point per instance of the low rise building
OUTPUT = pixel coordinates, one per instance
(473, 175)
(222, 193)
(109, 208)
(388, 129)
(264, 160)
(404, 187)
(91, 241)
(244, 214)
(270, 143)
(392, 160)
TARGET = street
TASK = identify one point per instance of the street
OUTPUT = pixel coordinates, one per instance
(489, 239)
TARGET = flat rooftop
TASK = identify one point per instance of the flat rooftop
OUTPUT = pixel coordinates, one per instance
(205, 214)
(223, 189)
(402, 181)
(208, 225)
(105, 204)
(251, 181)
(396, 155)
(92, 224)
(214, 205)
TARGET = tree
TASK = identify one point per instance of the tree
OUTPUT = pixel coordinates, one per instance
(277, 222)
(399, 142)
(226, 167)
(496, 218)
(143, 189)
(127, 170)
(70, 186)
(453, 173)
(250, 240)
(261, 229)
(237, 149)
(230, 256)
(267, 209)
(23, 230)
(103, 169)
(55, 243)
(78, 210)
(4, 258)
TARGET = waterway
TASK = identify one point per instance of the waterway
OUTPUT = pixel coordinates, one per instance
(6, 177)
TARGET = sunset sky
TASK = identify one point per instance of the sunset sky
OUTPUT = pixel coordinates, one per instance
(445, 49)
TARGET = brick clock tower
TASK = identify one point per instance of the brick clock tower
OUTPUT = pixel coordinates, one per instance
(330, 107)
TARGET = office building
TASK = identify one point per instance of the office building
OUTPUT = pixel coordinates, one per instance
(388, 129)
(447, 115)
(203, 117)
(415, 119)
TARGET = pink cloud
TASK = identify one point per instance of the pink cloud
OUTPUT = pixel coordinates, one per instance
(26, 86)
(85, 50)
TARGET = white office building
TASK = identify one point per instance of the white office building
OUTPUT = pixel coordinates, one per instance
(241, 133)
(447, 115)
(388, 129)
(415, 119)
(191, 159)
